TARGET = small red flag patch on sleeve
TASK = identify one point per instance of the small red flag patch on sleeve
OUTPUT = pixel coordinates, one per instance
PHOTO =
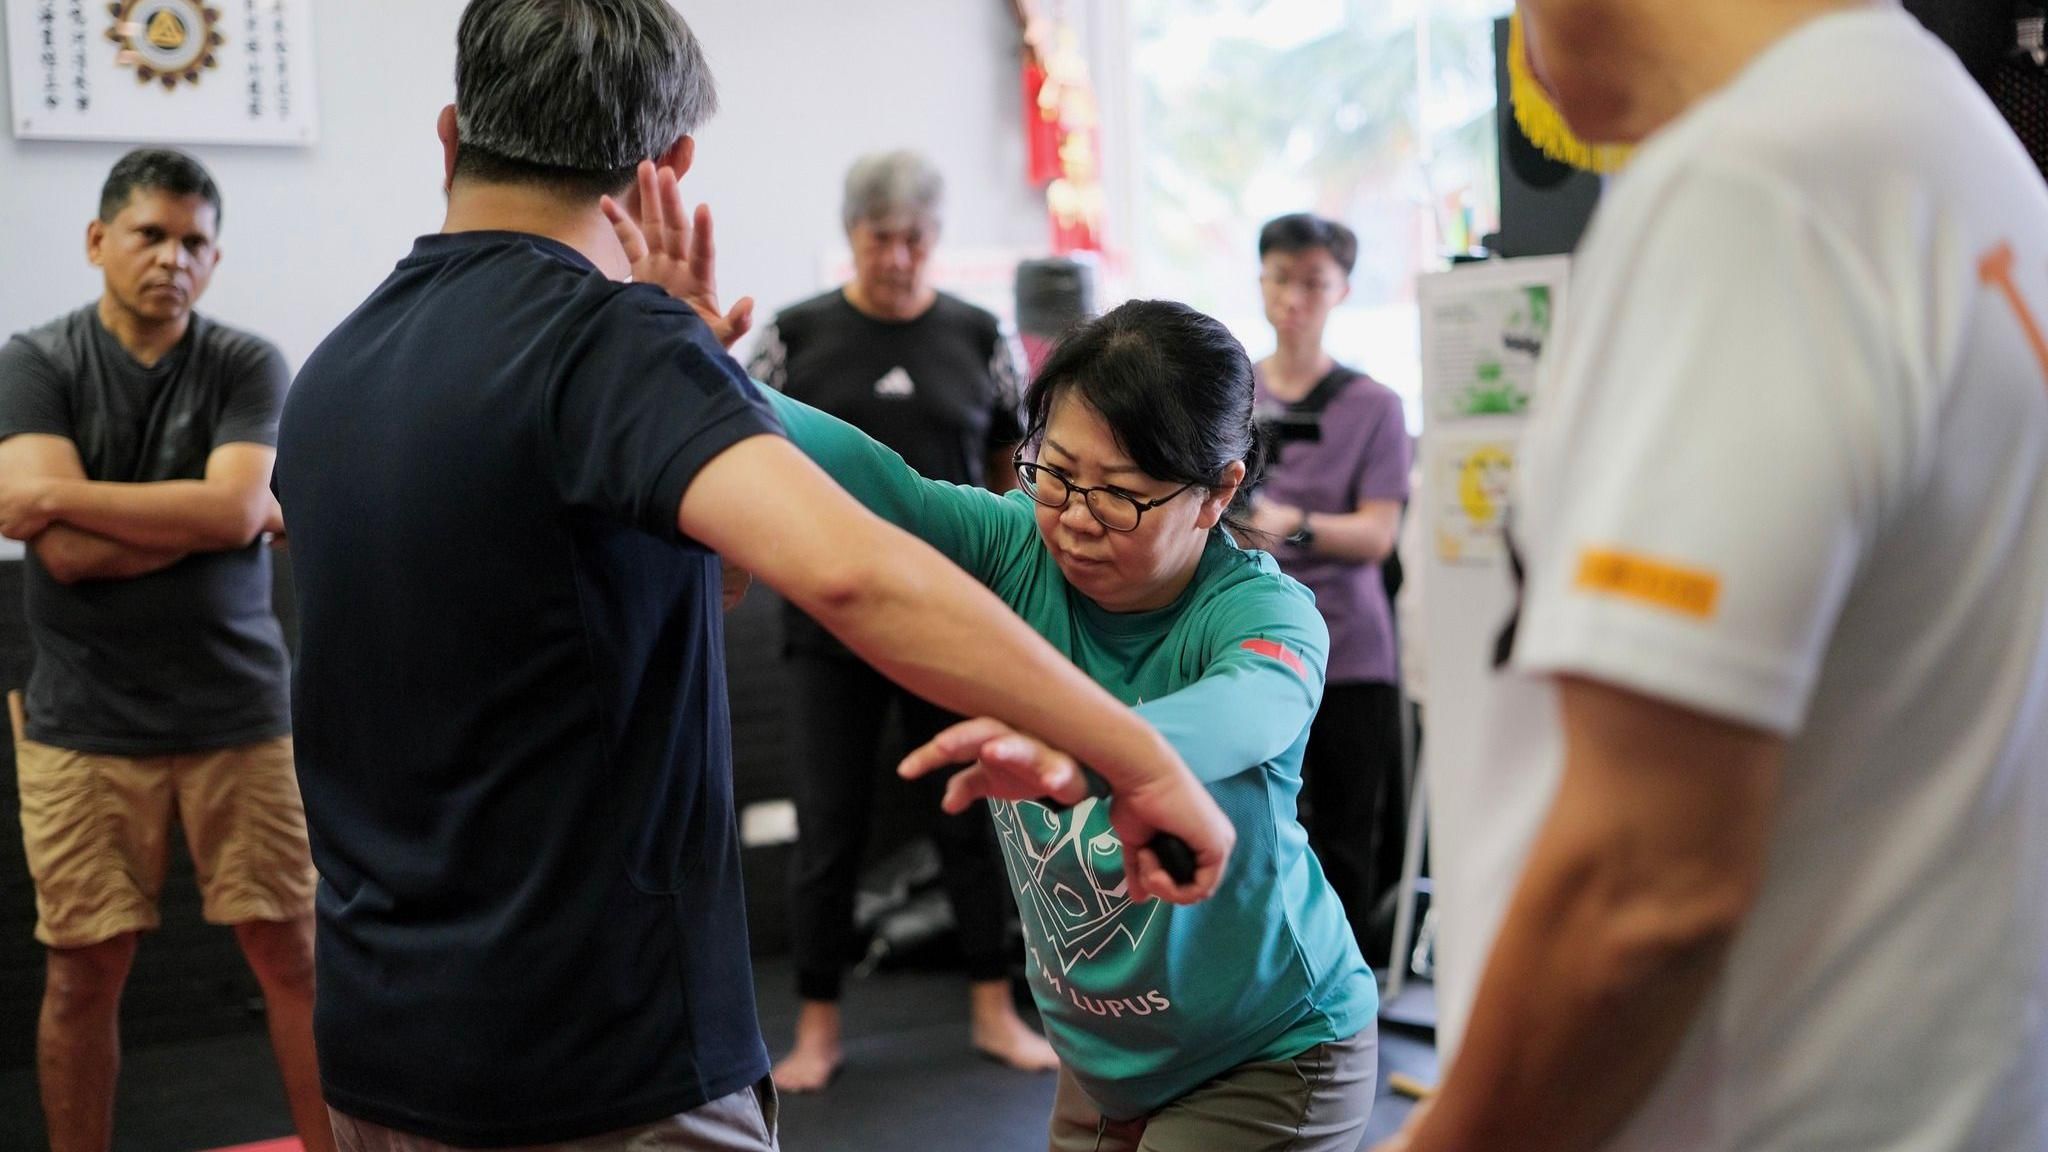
(1277, 651)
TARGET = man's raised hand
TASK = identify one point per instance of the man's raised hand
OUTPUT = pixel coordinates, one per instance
(666, 247)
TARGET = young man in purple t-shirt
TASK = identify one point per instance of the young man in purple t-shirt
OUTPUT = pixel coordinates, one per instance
(1331, 506)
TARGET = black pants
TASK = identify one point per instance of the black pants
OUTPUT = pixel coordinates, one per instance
(1354, 791)
(840, 709)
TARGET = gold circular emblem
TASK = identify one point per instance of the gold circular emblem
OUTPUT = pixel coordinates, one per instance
(166, 40)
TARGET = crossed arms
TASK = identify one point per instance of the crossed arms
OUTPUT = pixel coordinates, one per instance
(84, 529)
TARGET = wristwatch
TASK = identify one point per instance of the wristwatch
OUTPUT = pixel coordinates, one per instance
(1304, 536)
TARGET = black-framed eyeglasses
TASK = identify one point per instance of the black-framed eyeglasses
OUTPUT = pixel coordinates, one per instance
(1114, 510)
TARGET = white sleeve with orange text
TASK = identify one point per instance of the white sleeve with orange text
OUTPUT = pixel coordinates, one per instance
(1731, 427)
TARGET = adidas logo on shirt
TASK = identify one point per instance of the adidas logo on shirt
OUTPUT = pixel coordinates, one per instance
(896, 385)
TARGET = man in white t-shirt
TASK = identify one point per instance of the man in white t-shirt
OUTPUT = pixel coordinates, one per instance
(1770, 754)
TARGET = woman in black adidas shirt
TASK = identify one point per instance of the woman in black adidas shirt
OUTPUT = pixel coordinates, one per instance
(933, 377)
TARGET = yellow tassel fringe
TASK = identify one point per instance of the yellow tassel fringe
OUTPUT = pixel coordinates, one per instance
(1543, 123)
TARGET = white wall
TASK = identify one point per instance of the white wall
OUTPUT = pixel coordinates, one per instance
(806, 85)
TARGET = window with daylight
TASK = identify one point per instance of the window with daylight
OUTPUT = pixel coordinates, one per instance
(1378, 113)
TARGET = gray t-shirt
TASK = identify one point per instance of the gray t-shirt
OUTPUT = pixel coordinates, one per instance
(188, 658)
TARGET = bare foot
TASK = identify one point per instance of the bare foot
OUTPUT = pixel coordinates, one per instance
(811, 1065)
(806, 1070)
(1001, 1035)
(1017, 1046)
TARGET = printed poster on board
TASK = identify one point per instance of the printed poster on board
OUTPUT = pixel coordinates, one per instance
(1470, 496)
(1485, 342)
(1485, 328)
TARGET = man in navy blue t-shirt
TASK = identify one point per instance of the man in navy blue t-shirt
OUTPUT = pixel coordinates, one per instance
(510, 476)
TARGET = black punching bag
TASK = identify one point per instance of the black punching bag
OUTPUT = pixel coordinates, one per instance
(1053, 297)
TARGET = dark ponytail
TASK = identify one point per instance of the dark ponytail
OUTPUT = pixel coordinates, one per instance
(1175, 388)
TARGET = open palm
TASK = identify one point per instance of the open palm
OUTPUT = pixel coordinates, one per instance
(666, 247)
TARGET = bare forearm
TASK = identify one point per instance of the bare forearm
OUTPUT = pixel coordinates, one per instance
(73, 555)
(169, 515)
(899, 603)
(1584, 1001)
(919, 621)
(1354, 537)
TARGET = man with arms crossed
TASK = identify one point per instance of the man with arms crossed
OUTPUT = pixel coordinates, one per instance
(1785, 522)
(136, 441)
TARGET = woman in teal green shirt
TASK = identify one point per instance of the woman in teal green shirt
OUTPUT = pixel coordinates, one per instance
(1247, 1021)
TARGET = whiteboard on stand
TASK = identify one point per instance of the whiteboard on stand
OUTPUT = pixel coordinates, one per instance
(1485, 328)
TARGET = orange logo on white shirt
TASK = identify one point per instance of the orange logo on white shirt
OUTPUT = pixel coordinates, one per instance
(1659, 583)
(1995, 270)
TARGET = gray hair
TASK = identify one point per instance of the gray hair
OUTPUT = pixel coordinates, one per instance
(585, 85)
(883, 183)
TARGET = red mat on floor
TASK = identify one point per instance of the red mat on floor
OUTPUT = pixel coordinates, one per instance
(288, 1144)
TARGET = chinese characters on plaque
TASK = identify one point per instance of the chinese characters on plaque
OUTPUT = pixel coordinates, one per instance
(167, 71)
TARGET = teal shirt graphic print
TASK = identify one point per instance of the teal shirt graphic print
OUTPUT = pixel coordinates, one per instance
(1144, 1000)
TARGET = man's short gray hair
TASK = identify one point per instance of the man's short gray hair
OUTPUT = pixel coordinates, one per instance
(590, 86)
(885, 183)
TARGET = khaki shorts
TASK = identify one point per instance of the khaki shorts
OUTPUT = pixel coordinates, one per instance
(97, 830)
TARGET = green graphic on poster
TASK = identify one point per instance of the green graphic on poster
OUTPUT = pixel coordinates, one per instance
(1488, 346)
